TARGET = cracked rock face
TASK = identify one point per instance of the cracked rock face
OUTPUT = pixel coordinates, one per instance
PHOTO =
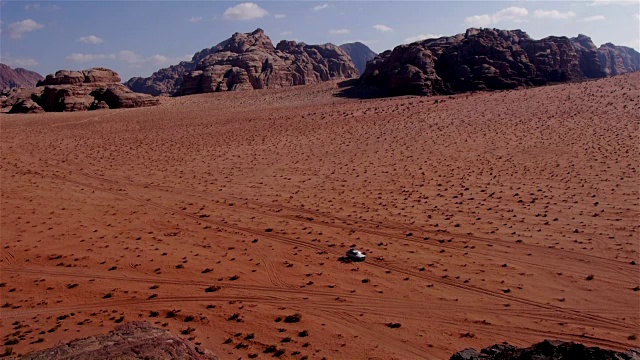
(136, 340)
(483, 59)
(67, 90)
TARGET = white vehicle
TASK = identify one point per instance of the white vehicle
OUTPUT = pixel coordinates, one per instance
(356, 255)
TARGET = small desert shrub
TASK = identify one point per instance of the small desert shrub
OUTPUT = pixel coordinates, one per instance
(293, 318)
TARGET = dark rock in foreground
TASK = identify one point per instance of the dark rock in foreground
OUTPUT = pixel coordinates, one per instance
(545, 350)
(92, 89)
(17, 78)
(136, 340)
(360, 54)
(488, 59)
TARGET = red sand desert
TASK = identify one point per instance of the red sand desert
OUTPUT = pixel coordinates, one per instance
(487, 217)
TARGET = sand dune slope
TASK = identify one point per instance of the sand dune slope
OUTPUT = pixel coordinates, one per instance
(487, 217)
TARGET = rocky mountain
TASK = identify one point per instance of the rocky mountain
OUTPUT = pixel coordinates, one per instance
(359, 53)
(249, 61)
(136, 340)
(17, 78)
(590, 65)
(545, 350)
(485, 59)
(617, 60)
(167, 81)
(66, 90)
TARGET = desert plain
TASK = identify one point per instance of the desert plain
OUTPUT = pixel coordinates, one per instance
(486, 217)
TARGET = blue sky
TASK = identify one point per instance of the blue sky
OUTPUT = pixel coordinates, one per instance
(135, 38)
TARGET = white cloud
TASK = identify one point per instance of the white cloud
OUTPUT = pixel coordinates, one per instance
(285, 33)
(129, 57)
(614, 2)
(419, 37)
(382, 28)
(195, 19)
(320, 7)
(158, 59)
(18, 29)
(32, 7)
(594, 18)
(279, 16)
(339, 31)
(91, 39)
(78, 57)
(512, 13)
(637, 16)
(478, 20)
(553, 14)
(19, 62)
(245, 11)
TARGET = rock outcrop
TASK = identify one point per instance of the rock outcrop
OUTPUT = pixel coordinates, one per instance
(248, 61)
(66, 90)
(482, 59)
(545, 350)
(590, 64)
(616, 60)
(136, 340)
(359, 53)
(17, 78)
(162, 82)
(71, 77)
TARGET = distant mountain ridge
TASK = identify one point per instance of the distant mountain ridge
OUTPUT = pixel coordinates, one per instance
(493, 59)
(359, 53)
(17, 78)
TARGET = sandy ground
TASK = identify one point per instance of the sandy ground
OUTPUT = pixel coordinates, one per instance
(489, 217)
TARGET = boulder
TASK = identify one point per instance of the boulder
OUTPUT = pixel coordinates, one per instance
(136, 340)
(545, 350)
(26, 106)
